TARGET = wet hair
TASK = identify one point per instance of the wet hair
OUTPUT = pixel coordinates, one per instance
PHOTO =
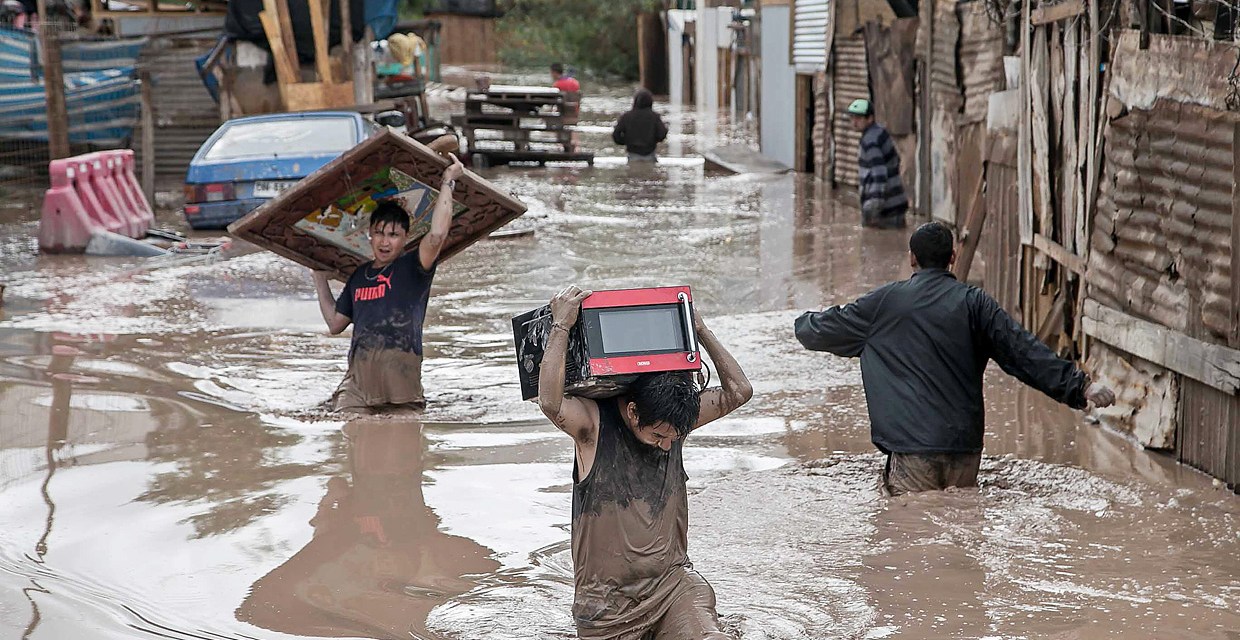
(643, 99)
(557, 68)
(670, 397)
(389, 211)
(932, 245)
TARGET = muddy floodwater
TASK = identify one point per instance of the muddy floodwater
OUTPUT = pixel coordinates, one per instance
(166, 472)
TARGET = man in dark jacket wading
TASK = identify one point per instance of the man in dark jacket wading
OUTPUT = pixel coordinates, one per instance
(924, 344)
(640, 129)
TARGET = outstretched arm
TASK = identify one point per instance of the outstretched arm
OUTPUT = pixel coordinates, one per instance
(574, 416)
(1020, 354)
(336, 321)
(735, 391)
(841, 330)
(441, 216)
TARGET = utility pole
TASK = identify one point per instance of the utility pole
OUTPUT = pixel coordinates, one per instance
(53, 86)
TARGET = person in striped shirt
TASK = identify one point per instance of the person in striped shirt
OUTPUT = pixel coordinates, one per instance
(883, 202)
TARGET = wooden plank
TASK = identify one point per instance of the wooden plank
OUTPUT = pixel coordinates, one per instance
(1212, 364)
(1058, 253)
(287, 35)
(972, 233)
(1068, 139)
(1047, 14)
(364, 89)
(346, 31)
(1024, 162)
(148, 137)
(318, 25)
(53, 88)
(284, 72)
(1040, 163)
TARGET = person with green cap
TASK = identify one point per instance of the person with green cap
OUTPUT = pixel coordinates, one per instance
(883, 202)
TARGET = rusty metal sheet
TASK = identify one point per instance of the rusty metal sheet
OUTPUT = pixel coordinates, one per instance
(852, 82)
(346, 187)
(981, 59)
(1161, 247)
(1194, 70)
(944, 81)
(890, 55)
(1146, 395)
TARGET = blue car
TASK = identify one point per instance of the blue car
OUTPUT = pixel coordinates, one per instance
(250, 160)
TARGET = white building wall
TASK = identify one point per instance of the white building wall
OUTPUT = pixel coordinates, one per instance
(778, 88)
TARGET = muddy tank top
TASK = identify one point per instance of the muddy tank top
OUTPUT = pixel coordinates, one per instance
(630, 518)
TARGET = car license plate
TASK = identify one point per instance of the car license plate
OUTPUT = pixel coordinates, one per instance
(271, 189)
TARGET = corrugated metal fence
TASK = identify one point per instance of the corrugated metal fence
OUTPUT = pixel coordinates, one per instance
(852, 82)
(185, 114)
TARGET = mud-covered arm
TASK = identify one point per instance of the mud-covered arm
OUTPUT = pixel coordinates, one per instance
(1021, 355)
(734, 389)
(441, 217)
(841, 330)
(575, 416)
(328, 305)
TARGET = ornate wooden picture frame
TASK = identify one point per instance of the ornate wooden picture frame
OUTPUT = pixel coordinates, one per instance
(321, 221)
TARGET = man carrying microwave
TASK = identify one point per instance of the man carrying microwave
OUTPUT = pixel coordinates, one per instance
(631, 568)
(924, 344)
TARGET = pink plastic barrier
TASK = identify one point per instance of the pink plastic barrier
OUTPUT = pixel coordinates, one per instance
(135, 212)
(126, 157)
(109, 195)
(66, 225)
(91, 192)
(91, 198)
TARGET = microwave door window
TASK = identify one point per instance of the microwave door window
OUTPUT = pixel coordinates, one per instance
(625, 331)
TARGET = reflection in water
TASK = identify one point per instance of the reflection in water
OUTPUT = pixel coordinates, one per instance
(378, 562)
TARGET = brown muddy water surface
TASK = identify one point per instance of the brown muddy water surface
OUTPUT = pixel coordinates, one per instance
(164, 470)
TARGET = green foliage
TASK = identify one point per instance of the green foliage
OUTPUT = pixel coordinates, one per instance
(595, 36)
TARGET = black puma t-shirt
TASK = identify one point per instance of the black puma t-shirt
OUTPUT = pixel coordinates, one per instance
(388, 305)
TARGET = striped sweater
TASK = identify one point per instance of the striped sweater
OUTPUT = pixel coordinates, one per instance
(880, 173)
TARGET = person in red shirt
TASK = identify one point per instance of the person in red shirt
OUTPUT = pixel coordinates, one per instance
(561, 81)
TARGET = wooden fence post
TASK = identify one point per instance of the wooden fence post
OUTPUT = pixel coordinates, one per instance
(148, 137)
(53, 86)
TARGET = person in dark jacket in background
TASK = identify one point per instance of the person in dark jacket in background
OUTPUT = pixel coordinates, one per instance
(883, 201)
(640, 129)
(924, 344)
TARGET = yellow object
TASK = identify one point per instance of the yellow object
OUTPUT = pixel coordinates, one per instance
(404, 47)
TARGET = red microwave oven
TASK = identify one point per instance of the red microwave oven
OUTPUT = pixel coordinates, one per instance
(618, 335)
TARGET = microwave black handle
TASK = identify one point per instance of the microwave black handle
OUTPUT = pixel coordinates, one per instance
(688, 319)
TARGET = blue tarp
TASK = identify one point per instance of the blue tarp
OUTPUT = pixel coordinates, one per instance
(101, 92)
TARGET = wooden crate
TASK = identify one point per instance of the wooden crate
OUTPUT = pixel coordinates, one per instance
(291, 224)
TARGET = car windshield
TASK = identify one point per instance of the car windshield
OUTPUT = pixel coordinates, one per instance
(286, 138)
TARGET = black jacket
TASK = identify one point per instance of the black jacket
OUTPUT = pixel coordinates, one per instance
(640, 130)
(924, 344)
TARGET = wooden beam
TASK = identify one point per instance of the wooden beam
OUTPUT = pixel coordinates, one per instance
(1047, 14)
(972, 234)
(1024, 153)
(318, 27)
(280, 10)
(1047, 327)
(148, 137)
(284, 71)
(346, 30)
(53, 88)
(1212, 364)
(1058, 253)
